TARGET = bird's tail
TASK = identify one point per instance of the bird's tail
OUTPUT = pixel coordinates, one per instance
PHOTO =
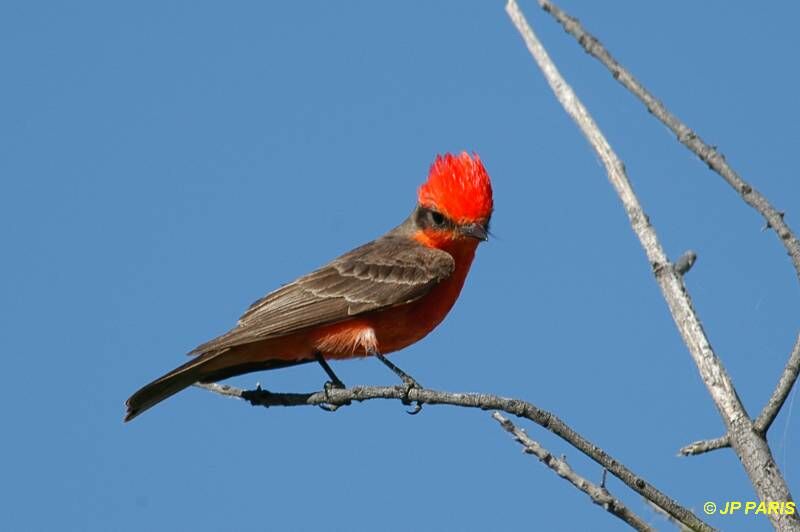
(207, 367)
(168, 385)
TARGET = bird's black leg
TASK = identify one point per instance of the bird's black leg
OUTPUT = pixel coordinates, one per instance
(335, 381)
(406, 378)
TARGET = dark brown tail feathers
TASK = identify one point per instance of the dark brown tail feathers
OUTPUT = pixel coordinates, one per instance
(209, 367)
(167, 385)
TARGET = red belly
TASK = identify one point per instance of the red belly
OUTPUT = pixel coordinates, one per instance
(395, 328)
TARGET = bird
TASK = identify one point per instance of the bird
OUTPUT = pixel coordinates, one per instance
(374, 300)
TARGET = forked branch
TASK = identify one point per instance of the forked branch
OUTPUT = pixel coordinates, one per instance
(717, 162)
(750, 446)
(336, 398)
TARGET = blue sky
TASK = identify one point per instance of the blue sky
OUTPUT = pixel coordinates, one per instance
(166, 163)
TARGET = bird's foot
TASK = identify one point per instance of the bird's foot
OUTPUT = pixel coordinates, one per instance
(408, 385)
(408, 382)
(333, 384)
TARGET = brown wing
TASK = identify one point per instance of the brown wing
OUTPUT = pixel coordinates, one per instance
(390, 271)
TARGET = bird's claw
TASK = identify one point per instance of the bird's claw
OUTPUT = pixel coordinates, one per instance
(408, 385)
(328, 406)
(417, 409)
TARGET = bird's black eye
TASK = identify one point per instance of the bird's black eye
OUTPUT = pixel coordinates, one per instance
(436, 217)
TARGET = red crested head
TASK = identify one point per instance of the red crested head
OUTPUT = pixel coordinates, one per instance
(458, 187)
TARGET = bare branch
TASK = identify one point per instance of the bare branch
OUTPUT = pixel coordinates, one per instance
(599, 494)
(338, 397)
(716, 161)
(752, 450)
(704, 446)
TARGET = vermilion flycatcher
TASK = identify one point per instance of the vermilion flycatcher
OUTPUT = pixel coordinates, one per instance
(376, 299)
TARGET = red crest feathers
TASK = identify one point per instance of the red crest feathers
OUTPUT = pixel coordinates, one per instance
(458, 187)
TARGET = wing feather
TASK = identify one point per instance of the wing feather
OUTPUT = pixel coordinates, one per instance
(389, 271)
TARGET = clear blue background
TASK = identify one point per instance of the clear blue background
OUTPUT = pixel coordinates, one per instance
(164, 164)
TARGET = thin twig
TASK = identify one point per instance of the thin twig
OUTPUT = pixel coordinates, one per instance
(716, 161)
(781, 392)
(515, 407)
(685, 262)
(704, 446)
(599, 494)
(752, 450)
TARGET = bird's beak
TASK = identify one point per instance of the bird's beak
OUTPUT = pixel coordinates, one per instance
(476, 231)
